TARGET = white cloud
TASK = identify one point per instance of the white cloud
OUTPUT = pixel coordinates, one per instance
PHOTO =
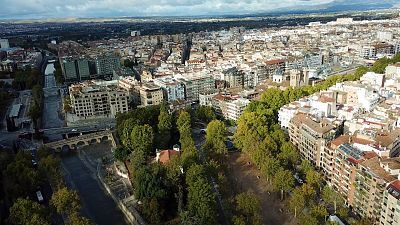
(99, 8)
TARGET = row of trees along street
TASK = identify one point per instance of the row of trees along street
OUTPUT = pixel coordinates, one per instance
(261, 138)
(20, 180)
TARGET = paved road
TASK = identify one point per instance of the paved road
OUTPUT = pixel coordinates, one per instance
(97, 206)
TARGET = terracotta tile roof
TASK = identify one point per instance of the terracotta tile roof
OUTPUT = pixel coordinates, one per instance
(396, 184)
(394, 189)
(326, 99)
(166, 155)
(373, 166)
(387, 138)
(362, 141)
(274, 61)
(340, 140)
(392, 163)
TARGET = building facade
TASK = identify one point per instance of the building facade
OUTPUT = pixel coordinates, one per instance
(91, 100)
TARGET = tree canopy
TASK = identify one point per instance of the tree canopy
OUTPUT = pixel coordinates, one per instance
(28, 212)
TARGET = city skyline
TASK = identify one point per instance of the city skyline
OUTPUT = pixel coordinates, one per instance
(42, 9)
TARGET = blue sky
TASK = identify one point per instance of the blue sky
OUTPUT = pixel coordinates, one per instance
(24, 9)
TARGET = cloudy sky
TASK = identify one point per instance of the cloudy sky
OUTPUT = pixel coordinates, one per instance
(14, 9)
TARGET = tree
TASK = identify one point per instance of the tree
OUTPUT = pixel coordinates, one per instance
(28, 212)
(283, 181)
(149, 184)
(37, 93)
(21, 178)
(331, 197)
(194, 172)
(67, 104)
(128, 63)
(152, 210)
(216, 131)
(343, 212)
(305, 166)
(248, 203)
(164, 127)
(306, 219)
(65, 201)
(215, 139)
(75, 219)
(249, 207)
(319, 211)
(289, 156)
(35, 113)
(188, 219)
(313, 178)
(183, 122)
(269, 167)
(308, 192)
(142, 139)
(121, 153)
(125, 131)
(201, 201)
(297, 201)
(184, 126)
(49, 167)
(205, 114)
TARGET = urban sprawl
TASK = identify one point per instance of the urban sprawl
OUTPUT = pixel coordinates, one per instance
(349, 131)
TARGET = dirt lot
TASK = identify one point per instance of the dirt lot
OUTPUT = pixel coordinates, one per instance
(245, 178)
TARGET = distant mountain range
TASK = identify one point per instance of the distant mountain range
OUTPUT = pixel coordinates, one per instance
(346, 5)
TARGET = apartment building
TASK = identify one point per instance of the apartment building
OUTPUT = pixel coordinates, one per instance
(173, 88)
(229, 106)
(92, 99)
(234, 77)
(340, 161)
(206, 98)
(390, 213)
(69, 69)
(150, 94)
(234, 109)
(196, 84)
(75, 69)
(105, 65)
(372, 178)
(310, 134)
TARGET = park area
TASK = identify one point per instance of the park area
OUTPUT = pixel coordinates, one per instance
(244, 177)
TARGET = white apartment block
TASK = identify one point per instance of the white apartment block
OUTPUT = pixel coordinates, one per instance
(173, 88)
(234, 109)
